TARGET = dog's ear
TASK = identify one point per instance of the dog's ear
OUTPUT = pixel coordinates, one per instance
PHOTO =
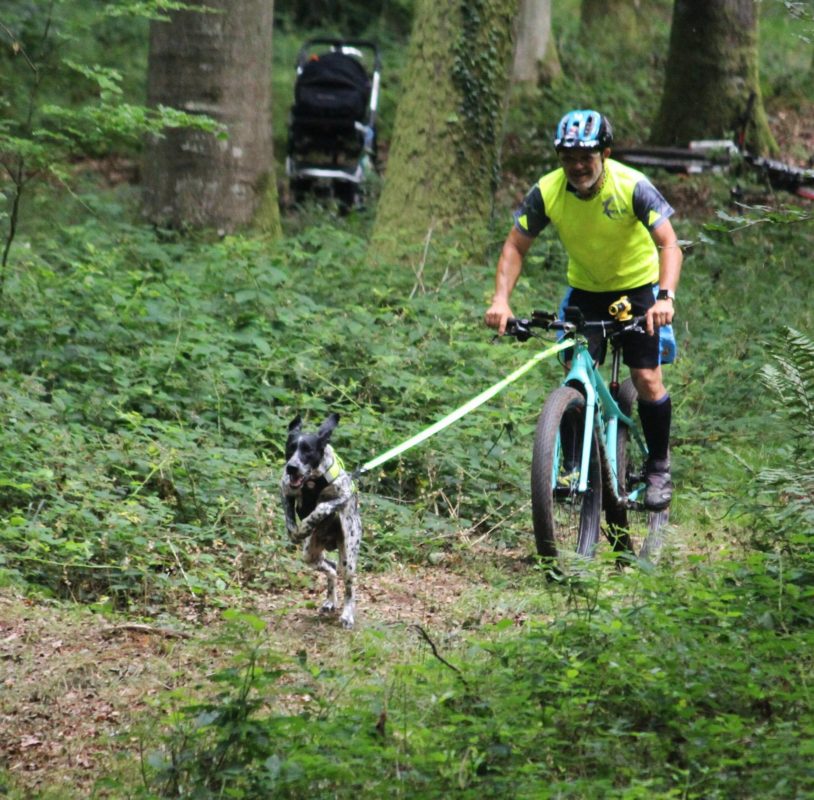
(294, 429)
(327, 428)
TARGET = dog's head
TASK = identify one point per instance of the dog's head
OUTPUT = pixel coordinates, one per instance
(305, 452)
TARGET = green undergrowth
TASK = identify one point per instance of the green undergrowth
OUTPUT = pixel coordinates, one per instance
(148, 380)
(688, 682)
(147, 385)
(688, 679)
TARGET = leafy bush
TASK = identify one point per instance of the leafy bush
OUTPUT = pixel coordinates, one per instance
(148, 382)
(659, 688)
(148, 385)
(785, 514)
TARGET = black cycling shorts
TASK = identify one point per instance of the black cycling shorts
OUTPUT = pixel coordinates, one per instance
(639, 350)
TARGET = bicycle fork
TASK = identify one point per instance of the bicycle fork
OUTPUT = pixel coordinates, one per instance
(602, 415)
(579, 376)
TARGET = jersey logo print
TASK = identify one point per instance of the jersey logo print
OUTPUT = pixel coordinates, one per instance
(613, 207)
(523, 222)
(653, 218)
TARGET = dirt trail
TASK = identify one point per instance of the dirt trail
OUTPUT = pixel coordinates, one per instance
(74, 683)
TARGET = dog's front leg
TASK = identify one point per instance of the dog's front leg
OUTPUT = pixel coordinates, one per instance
(289, 502)
(314, 554)
(322, 511)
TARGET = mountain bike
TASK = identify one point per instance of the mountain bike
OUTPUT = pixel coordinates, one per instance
(589, 452)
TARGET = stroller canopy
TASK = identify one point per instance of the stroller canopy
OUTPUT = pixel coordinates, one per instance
(332, 85)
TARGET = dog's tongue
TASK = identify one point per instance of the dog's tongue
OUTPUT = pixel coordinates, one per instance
(296, 481)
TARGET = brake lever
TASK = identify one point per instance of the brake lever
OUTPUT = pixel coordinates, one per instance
(636, 325)
(520, 329)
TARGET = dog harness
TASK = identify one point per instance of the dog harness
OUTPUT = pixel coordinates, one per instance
(335, 470)
(329, 476)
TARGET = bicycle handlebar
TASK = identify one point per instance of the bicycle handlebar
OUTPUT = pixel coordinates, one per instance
(574, 322)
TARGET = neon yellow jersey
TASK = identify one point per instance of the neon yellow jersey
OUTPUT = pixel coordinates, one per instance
(607, 237)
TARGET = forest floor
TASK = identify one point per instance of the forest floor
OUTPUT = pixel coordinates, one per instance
(76, 683)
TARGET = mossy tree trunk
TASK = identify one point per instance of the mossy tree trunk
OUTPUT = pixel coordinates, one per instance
(216, 63)
(443, 165)
(712, 70)
(536, 60)
(608, 23)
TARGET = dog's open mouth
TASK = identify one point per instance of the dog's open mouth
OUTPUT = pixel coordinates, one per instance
(295, 481)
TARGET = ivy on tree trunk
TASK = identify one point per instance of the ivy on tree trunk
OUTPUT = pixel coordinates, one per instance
(444, 159)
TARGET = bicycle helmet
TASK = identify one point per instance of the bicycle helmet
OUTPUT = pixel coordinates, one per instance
(583, 130)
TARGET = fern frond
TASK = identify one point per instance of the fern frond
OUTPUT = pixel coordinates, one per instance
(791, 376)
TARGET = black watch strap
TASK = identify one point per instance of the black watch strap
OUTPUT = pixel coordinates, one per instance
(666, 294)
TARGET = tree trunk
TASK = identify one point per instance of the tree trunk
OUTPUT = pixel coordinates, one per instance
(535, 55)
(218, 64)
(609, 23)
(712, 71)
(443, 165)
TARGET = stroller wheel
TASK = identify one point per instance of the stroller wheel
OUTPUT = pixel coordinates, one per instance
(346, 194)
(300, 189)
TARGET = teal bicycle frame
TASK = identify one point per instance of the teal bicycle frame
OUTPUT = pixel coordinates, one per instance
(603, 415)
(567, 505)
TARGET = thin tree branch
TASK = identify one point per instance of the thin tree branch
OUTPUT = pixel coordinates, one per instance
(17, 47)
(425, 636)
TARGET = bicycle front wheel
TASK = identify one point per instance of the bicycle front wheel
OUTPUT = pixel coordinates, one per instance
(566, 521)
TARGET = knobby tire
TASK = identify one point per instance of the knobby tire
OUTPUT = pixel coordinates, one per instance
(566, 522)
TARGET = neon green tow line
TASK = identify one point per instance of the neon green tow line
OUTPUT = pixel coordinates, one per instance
(464, 409)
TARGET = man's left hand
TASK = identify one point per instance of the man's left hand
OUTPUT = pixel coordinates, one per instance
(660, 313)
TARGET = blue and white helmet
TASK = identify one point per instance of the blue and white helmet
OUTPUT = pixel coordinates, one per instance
(583, 130)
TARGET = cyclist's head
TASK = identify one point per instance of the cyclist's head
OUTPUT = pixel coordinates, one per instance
(583, 130)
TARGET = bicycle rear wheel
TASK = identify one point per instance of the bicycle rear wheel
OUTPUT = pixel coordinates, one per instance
(629, 526)
(566, 521)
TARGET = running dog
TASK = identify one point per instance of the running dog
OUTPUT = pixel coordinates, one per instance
(322, 506)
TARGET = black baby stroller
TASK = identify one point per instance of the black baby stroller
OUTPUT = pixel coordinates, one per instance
(332, 126)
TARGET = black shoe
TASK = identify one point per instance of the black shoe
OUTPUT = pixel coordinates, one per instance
(659, 491)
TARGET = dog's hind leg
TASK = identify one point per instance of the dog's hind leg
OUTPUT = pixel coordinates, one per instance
(348, 573)
(348, 554)
(315, 556)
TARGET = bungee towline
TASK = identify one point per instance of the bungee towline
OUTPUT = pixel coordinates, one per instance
(474, 403)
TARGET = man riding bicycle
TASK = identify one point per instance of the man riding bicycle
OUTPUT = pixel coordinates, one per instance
(615, 227)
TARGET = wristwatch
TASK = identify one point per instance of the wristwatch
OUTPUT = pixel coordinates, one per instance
(666, 294)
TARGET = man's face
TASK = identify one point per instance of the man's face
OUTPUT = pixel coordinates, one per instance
(583, 168)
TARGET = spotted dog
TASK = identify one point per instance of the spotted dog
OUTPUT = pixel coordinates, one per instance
(322, 506)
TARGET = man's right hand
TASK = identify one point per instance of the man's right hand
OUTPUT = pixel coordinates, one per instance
(497, 314)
